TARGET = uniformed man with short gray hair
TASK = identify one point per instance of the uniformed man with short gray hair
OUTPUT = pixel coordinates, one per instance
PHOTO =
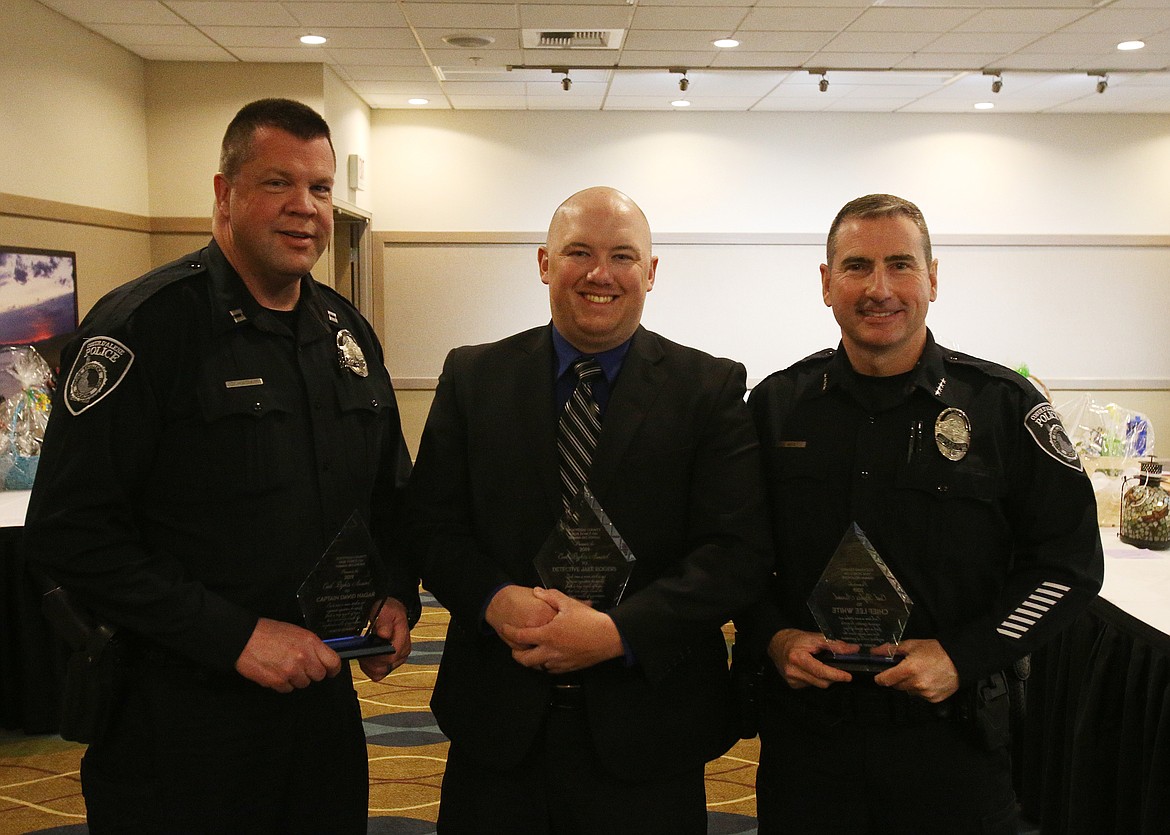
(953, 482)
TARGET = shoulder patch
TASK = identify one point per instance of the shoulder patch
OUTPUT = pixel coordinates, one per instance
(1043, 422)
(101, 363)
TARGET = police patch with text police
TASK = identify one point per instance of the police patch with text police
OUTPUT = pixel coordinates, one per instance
(1044, 424)
(101, 364)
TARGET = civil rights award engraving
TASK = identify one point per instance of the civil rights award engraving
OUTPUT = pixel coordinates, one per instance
(584, 556)
(337, 598)
(858, 600)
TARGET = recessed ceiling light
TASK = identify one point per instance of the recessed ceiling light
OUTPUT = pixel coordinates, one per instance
(726, 43)
(418, 101)
(680, 103)
(469, 41)
(312, 40)
(1126, 46)
(984, 105)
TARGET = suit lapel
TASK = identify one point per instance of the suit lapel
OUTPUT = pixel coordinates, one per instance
(535, 418)
(638, 386)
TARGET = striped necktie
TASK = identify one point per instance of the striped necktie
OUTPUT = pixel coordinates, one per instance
(577, 434)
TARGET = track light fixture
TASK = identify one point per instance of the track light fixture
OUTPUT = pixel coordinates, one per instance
(1103, 83)
(684, 83)
(997, 85)
(823, 86)
(566, 82)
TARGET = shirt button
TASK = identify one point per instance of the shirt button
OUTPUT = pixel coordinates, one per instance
(942, 488)
(865, 473)
(256, 407)
(374, 402)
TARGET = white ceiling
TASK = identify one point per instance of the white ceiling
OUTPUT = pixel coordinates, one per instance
(909, 56)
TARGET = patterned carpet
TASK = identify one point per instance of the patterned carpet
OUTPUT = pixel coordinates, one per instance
(40, 790)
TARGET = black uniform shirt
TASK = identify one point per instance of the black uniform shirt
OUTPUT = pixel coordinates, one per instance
(998, 550)
(201, 456)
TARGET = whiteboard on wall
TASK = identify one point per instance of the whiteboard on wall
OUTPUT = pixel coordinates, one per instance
(1080, 316)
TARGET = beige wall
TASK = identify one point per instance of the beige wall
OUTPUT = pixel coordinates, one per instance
(188, 106)
(113, 157)
(74, 113)
(349, 123)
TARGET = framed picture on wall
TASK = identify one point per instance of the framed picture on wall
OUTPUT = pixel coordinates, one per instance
(38, 299)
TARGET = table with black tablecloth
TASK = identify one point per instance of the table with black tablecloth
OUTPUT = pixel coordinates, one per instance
(1093, 753)
(31, 656)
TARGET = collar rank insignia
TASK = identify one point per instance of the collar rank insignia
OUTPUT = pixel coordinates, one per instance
(349, 354)
(952, 433)
(101, 364)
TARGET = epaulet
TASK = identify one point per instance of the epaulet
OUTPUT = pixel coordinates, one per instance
(331, 293)
(819, 356)
(991, 369)
(803, 365)
(116, 306)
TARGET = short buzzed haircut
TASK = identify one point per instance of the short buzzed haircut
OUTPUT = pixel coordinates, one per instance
(877, 205)
(290, 116)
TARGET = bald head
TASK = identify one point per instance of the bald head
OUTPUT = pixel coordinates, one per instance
(598, 267)
(599, 199)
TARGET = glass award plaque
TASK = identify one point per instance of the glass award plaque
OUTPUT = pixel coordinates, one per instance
(337, 598)
(858, 600)
(584, 556)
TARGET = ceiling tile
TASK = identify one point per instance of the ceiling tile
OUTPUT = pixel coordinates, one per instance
(346, 14)
(880, 42)
(461, 17)
(884, 19)
(378, 57)
(115, 11)
(796, 20)
(1035, 21)
(155, 35)
(569, 17)
(722, 19)
(237, 13)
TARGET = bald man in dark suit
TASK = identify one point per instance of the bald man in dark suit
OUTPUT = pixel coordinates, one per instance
(564, 717)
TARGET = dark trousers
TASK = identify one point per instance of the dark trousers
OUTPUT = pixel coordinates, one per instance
(196, 753)
(561, 788)
(866, 760)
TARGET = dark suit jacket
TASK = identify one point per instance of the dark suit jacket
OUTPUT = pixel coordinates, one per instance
(677, 469)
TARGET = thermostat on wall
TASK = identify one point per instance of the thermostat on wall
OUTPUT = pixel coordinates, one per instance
(357, 172)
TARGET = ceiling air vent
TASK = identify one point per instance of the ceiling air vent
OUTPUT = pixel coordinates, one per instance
(573, 38)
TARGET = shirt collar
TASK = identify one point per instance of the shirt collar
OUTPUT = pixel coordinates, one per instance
(929, 373)
(610, 361)
(234, 305)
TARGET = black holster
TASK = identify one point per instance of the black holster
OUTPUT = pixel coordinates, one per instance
(747, 677)
(986, 709)
(95, 672)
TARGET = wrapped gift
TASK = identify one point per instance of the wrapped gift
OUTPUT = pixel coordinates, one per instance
(24, 414)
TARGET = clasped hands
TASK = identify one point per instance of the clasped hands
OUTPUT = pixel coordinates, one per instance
(283, 656)
(925, 670)
(548, 630)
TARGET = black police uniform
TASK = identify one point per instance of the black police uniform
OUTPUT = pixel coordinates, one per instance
(201, 455)
(997, 546)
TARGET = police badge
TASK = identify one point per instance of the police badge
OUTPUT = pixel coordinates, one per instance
(349, 354)
(952, 433)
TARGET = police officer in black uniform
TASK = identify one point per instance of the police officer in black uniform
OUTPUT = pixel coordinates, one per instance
(963, 480)
(218, 422)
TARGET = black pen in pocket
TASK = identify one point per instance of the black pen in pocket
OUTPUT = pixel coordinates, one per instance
(914, 444)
